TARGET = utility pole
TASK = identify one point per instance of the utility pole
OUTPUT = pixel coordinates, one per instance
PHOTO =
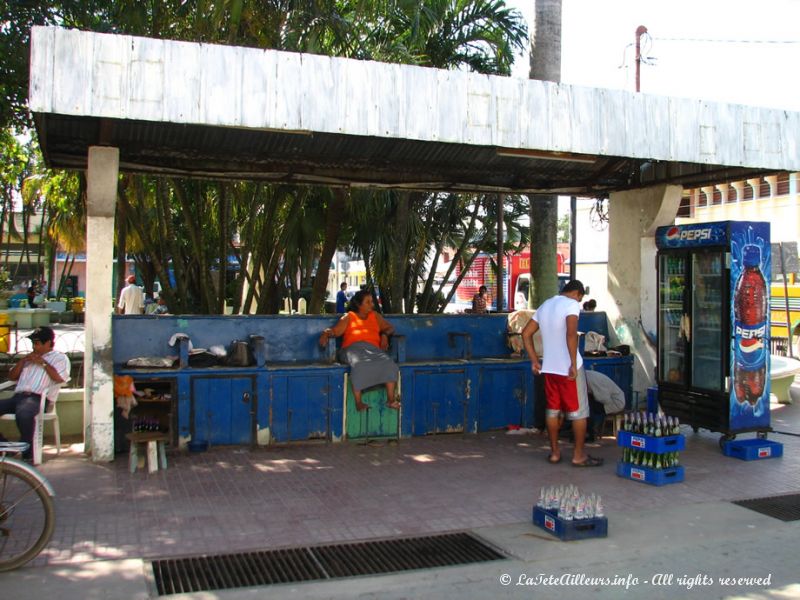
(640, 31)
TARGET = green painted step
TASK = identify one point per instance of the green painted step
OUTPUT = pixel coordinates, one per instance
(378, 422)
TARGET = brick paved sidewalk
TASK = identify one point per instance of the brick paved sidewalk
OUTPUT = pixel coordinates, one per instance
(231, 499)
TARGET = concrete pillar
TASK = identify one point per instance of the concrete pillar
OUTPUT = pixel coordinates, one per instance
(755, 183)
(723, 191)
(101, 197)
(772, 180)
(739, 187)
(695, 202)
(709, 192)
(633, 217)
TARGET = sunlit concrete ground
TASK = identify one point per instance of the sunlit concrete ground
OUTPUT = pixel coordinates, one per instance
(232, 498)
(229, 499)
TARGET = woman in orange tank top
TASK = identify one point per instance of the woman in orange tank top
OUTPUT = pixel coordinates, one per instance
(366, 339)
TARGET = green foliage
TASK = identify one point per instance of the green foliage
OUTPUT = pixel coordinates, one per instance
(464, 225)
(286, 234)
(564, 228)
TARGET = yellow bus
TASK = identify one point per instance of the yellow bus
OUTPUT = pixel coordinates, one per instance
(779, 331)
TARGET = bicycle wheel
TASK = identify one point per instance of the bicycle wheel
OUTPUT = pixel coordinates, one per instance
(27, 516)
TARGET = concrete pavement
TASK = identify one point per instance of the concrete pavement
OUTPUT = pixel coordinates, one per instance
(690, 551)
(110, 523)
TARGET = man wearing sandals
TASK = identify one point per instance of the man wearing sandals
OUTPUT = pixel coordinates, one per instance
(34, 373)
(562, 367)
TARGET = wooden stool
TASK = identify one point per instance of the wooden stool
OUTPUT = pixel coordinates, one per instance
(615, 420)
(156, 451)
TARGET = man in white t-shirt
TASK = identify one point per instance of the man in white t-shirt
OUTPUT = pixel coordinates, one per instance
(41, 370)
(131, 298)
(562, 366)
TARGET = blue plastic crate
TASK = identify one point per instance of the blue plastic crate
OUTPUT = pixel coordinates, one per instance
(656, 445)
(651, 476)
(752, 449)
(568, 531)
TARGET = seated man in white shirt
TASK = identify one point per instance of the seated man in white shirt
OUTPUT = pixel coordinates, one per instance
(34, 374)
(605, 398)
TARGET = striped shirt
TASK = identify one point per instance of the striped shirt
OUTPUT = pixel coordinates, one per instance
(34, 379)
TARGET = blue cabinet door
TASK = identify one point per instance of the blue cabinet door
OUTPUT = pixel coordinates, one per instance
(223, 410)
(301, 406)
(505, 396)
(439, 401)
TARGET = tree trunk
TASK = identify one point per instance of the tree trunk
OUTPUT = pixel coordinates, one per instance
(223, 247)
(333, 226)
(40, 248)
(400, 257)
(544, 230)
(3, 216)
(170, 252)
(122, 241)
(25, 252)
(545, 65)
(52, 252)
(198, 245)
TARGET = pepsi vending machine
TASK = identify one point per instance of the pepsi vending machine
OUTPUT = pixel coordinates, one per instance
(713, 325)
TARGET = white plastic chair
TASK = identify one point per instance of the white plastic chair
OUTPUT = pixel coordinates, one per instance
(41, 418)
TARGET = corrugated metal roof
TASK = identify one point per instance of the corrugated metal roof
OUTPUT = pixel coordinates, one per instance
(220, 152)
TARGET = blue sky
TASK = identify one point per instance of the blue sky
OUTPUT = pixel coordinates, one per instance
(712, 49)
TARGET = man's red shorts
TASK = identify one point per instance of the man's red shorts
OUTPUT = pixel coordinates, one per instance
(561, 393)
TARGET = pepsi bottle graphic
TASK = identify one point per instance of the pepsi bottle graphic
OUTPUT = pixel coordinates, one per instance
(750, 320)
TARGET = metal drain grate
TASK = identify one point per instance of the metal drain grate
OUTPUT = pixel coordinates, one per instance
(245, 569)
(785, 508)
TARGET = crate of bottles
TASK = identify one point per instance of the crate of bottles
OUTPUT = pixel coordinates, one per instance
(658, 477)
(752, 449)
(569, 515)
(648, 424)
(649, 443)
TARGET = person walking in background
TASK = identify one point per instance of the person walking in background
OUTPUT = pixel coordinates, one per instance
(562, 366)
(131, 298)
(341, 299)
(32, 295)
(479, 300)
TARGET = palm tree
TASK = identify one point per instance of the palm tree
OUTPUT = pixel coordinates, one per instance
(546, 65)
(189, 225)
(479, 35)
(64, 195)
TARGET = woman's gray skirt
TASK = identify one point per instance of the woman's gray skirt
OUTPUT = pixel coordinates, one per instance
(369, 365)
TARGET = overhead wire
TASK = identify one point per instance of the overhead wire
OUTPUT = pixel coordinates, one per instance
(722, 41)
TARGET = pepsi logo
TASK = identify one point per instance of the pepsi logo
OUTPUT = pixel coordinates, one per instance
(751, 345)
(751, 333)
(676, 233)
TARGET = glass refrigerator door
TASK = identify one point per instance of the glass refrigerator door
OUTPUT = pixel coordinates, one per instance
(672, 320)
(706, 321)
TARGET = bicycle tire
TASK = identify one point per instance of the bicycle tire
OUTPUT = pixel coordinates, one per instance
(26, 485)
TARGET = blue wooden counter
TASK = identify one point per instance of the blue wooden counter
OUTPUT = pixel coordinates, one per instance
(456, 375)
